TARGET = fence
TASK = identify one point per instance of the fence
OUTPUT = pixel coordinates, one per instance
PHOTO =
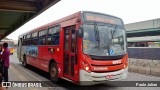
(144, 60)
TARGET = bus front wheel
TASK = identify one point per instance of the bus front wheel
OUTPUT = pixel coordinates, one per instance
(53, 72)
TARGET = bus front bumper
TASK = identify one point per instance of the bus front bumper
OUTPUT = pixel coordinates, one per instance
(92, 78)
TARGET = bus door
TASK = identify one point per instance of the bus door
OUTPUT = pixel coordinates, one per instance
(70, 60)
(19, 53)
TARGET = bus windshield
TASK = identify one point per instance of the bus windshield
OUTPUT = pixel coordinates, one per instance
(103, 40)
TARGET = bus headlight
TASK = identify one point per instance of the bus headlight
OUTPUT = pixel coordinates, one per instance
(86, 67)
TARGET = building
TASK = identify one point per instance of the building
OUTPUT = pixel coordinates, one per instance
(144, 33)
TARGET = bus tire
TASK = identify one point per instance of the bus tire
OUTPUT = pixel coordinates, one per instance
(24, 61)
(53, 72)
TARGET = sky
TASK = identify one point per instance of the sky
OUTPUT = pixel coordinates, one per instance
(129, 10)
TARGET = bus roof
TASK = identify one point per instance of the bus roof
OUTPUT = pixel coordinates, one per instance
(59, 21)
(55, 22)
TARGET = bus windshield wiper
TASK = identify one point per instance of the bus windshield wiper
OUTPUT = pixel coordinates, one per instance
(110, 40)
(97, 34)
(112, 32)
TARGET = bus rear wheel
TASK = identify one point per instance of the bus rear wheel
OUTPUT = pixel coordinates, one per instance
(53, 72)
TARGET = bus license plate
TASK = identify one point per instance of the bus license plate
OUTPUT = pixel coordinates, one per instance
(110, 76)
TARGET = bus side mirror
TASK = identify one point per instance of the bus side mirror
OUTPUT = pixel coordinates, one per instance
(80, 32)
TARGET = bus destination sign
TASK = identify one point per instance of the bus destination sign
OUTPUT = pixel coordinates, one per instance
(102, 18)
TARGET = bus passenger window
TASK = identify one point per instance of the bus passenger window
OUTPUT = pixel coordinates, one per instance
(42, 37)
(56, 39)
(27, 42)
(28, 39)
(34, 41)
(49, 41)
(34, 38)
(41, 41)
(53, 36)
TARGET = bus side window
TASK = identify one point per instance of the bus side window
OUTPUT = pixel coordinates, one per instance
(28, 39)
(41, 41)
(34, 39)
(56, 39)
(42, 37)
(53, 35)
(49, 36)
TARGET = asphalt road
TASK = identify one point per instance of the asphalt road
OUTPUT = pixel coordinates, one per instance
(18, 73)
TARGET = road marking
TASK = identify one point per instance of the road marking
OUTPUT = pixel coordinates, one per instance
(21, 77)
(31, 75)
(28, 73)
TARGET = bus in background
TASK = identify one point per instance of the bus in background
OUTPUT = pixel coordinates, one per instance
(11, 46)
(85, 48)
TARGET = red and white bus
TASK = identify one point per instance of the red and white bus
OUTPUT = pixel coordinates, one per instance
(85, 46)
